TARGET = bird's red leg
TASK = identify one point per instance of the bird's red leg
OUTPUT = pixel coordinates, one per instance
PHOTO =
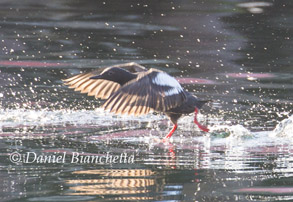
(203, 128)
(171, 132)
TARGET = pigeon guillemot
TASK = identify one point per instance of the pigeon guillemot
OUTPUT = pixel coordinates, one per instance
(132, 89)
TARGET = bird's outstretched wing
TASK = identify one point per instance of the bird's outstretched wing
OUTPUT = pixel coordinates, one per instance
(98, 87)
(152, 90)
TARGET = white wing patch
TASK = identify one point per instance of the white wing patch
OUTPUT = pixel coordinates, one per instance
(163, 79)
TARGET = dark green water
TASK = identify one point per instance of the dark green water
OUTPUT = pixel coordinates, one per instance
(239, 55)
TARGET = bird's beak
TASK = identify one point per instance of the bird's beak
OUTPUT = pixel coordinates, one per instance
(96, 77)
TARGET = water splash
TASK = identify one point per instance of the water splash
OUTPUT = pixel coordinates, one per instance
(234, 131)
(284, 128)
(28, 117)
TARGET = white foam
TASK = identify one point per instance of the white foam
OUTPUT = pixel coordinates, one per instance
(16, 117)
(31, 117)
(284, 128)
(234, 131)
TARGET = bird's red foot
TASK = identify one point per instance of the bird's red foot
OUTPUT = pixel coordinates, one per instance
(203, 128)
(171, 132)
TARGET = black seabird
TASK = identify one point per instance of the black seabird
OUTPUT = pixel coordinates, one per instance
(132, 89)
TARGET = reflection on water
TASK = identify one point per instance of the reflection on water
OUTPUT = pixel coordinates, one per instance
(116, 182)
(237, 54)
